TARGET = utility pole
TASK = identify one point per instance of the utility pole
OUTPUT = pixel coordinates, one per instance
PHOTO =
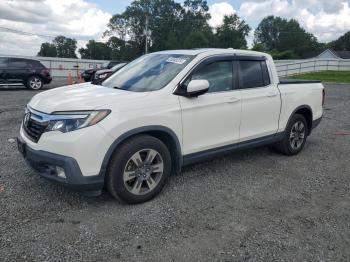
(146, 34)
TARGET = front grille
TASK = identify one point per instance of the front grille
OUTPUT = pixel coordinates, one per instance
(34, 129)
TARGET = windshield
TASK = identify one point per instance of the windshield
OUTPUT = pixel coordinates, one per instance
(116, 67)
(148, 73)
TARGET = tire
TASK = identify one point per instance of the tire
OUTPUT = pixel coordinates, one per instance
(34, 83)
(294, 138)
(137, 183)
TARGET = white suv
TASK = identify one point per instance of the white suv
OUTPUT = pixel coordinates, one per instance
(160, 112)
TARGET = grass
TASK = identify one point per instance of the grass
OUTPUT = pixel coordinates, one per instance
(326, 76)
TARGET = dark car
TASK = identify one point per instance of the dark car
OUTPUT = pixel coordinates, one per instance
(29, 72)
(88, 75)
(103, 74)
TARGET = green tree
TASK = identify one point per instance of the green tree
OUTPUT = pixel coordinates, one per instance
(123, 50)
(196, 40)
(47, 50)
(288, 54)
(342, 43)
(171, 41)
(170, 25)
(260, 47)
(275, 33)
(232, 33)
(65, 46)
(96, 50)
(268, 32)
(195, 16)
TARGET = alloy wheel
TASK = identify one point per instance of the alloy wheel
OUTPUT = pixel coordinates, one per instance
(143, 171)
(35, 83)
(297, 135)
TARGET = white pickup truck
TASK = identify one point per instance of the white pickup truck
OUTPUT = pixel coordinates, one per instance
(160, 112)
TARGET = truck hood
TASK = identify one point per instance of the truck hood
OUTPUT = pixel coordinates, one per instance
(81, 97)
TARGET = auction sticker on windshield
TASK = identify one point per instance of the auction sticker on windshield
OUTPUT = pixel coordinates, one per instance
(177, 60)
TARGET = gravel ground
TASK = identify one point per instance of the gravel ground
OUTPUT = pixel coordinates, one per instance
(250, 206)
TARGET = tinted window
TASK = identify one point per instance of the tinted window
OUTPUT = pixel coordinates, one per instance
(3, 62)
(111, 64)
(24, 63)
(218, 74)
(253, 74)
(36, 64)
(19, 63)
(117, 67)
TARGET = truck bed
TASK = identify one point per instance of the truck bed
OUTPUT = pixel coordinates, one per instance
(297, 81)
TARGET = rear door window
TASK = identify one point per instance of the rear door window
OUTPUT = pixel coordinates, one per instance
(3, 62)
(16, 63)
(253, 74)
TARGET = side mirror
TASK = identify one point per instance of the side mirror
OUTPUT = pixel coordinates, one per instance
(197, 87)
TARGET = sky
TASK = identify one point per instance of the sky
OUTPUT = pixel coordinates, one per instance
(87, 19)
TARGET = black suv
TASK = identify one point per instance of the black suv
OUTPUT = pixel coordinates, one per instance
(29, 72)
(88, 75)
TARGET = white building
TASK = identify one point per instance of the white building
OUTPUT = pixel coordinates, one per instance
(331, 54)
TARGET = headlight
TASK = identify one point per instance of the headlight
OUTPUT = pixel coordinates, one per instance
(70, 121)
(103, 76)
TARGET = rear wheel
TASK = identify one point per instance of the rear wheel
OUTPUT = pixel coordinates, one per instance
(34, 83)
(139, 169)
(295, 136)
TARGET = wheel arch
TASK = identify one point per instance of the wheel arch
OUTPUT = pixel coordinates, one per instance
(305, 111)
(165, 134)
(33, 74)
(25, 82)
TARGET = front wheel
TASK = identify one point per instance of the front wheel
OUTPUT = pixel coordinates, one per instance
(139, 169)
(295, 136)
(34, 83)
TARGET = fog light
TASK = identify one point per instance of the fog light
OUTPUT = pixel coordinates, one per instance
(60, 172)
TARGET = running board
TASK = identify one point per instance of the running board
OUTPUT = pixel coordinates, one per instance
(17, 84)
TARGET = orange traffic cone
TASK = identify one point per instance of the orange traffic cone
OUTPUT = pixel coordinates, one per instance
(80, 79)
(70, 79)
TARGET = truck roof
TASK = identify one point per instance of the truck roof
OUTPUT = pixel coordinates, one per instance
(211, 51)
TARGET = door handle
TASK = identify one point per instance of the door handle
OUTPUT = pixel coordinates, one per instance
(233, 100)
(271, 94)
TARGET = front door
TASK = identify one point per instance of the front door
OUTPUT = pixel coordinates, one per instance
(211, 120)
(18, 70)
(3, 69)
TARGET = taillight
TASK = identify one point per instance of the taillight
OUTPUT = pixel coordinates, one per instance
(45, 72)
(323, 96)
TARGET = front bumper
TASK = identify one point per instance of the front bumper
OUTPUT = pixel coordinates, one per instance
(45, 162)
(87, 77)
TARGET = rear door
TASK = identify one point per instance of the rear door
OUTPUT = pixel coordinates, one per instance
(18, 70)
(3, 69)
(212, 120)
(261, 102)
